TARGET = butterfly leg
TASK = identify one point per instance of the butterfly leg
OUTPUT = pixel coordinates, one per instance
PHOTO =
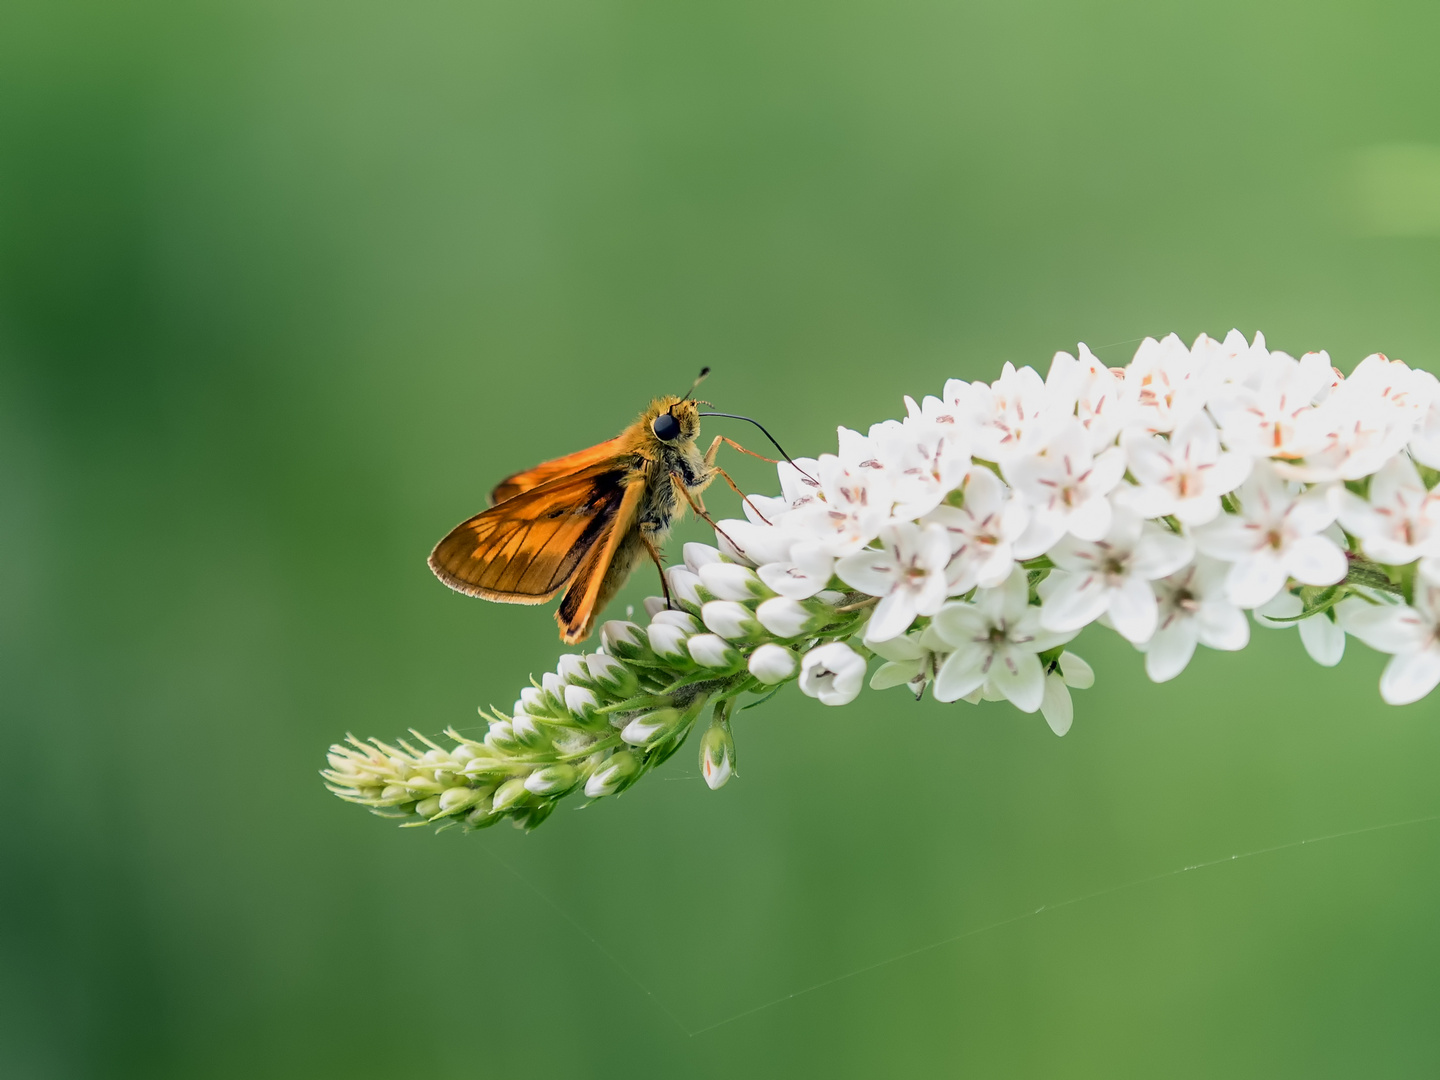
(700, 510)
(710, 456)
(645, 530)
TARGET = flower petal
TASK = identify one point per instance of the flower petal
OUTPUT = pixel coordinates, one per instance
(1056, 706)
(1019, 676)
(1409, 678)
(1323, 640)
(1133, 610)
(1170, 650)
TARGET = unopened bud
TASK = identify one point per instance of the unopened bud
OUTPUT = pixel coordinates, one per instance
(395, 793)
(786, 618)
(527, 731)
(508, 794)
(668, 640)
(731, 581)
(699, 555)
(651, 727)
(717, 756)
(428, 808)
(771, 663)
(571, 668)
(612, 774)
(553, 684)
(551, 780)
(611, 675)
(580, 701)
(684, 586)
(624, 639)
(532, 816)
(712, 651)
(670, 617)
(731, 620)
(455, 799)
(654, 605)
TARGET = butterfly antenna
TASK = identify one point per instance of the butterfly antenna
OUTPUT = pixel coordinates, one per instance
(698, 380)
(752, 420)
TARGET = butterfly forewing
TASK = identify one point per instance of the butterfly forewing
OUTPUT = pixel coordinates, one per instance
(547, 471)
(526, 549)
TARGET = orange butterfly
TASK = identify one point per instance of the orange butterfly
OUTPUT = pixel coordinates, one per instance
(582, 522)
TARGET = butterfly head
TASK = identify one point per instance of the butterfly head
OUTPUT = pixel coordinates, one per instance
(674, 420)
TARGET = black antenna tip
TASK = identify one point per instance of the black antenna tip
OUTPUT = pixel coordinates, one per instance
(704, 371)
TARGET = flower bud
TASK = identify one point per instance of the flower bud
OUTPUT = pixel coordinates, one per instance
(580, 701)
(482, 815)
(654, 605)
(712, 651)
(501, 738)
(428, 808)
(455, 799)
(612, 774)
(833, 672)
(551, 780)
(671, 617)
(668, 640)
(731, 581)
(571, 668)
(772, 663)
(651, 727)
(508, 794)
(527, 731)
(611, 675)
(394, 794)
(553, 684)
(717, 756)
(480, 766)
(624, 639)
(683, 586)
(698, 555)
(731, 620)
(786, 618)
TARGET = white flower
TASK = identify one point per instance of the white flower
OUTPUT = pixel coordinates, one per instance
(1004, 417)
(803, 573)
(1193, 610)
(1057, 708)
(1112, 576)
(1410, 634)
(930, 460)
(771, 663)
(1164, 386)
(1065, 486)
(1400, 521)
(1277, 535)
(833, 672)
(909, 661)
(1089, 389)
(982, 533)
(996, 641)
(856, 505)
(907, 572)
(1366, 420)
(1321, 634)
(1184, 475)
(1261, 416)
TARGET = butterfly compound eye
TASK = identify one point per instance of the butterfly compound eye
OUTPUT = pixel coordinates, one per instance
(666, 427)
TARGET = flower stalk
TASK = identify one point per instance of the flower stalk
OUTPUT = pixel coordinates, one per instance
(962, 549)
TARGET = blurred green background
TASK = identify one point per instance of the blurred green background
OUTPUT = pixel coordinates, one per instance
(284, 287)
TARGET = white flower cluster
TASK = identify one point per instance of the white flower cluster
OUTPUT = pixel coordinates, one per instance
(969, 543)
(1162, 500)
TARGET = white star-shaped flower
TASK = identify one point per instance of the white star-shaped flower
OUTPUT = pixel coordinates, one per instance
(1065, 486)
(1410, 634)
(907, 572)
(909, 661)
(996, 641)
(1164, 386)
(1400, 520)
(1193, 610)
(1277, 535)
(982, 531)
(1084, 386)
(1184, 475)
(1112, 576)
